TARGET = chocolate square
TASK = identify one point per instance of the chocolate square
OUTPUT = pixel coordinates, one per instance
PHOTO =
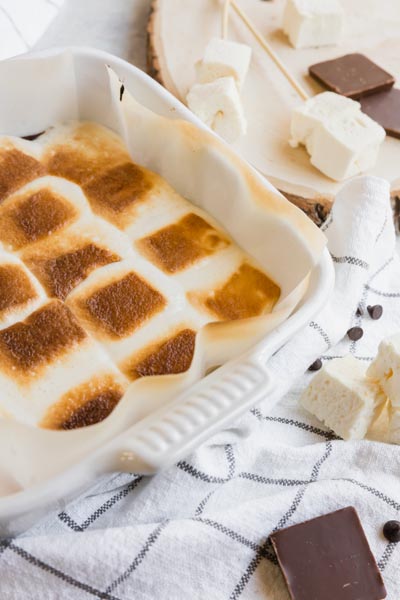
(328, 558)
(352, 75)
(384, 108)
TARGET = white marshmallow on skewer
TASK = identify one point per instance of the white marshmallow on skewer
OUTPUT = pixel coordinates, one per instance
(343, 398)
(316, 111)
(313, 23)
(219, 106)
(224, 58)
(341, 140)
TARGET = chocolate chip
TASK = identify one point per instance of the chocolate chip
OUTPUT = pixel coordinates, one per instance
(121, 92)
(316, 365)
(355, 333)
(359, 312)
(375, 312)
(391, 531)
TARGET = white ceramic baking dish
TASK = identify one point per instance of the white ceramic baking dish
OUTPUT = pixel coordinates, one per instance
(213, 403)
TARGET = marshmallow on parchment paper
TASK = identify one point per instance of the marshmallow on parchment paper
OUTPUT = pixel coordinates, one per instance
(313, 23)
(224, 58)
(219, 106)
(343, 398)
(341, 140)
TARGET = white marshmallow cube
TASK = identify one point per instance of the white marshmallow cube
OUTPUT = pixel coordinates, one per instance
(341, 140)
(316, 111)
(313, 23)
(224, 58)
(219, 106)
(343, 398)
(385, 369)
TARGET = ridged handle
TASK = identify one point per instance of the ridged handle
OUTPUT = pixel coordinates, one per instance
(211, 404)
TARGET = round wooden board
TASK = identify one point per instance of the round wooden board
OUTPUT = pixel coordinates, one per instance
(178, 33)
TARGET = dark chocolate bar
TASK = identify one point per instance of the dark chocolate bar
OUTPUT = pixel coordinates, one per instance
(328, 558)
(352, 75)
(384, 108)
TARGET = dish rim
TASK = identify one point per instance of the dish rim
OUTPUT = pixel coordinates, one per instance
(95, 463)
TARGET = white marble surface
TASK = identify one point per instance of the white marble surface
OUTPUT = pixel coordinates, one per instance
(118, 26)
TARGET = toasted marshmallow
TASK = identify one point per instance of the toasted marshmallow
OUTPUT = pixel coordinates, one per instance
(223, 58)
(340, 139)
(385, 369)
(313, 23)
(343, 398)
(218, 104)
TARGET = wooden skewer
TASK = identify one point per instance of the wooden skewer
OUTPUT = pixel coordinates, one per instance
(265, 45)
(225, 17)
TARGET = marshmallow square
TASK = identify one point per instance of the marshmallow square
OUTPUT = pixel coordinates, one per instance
(219, 106)
(316, 111)
(346, 146)
(343, 398)
(224, 58)
(385, 369)
(340, 139)
(313, 23)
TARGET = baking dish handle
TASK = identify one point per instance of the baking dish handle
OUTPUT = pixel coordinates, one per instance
(208, 406)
